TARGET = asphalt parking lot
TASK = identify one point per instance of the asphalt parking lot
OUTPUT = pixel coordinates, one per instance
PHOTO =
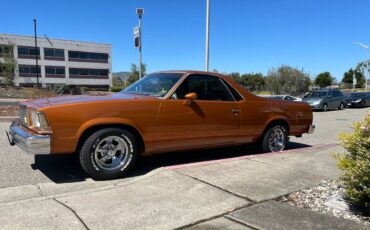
(17, 168)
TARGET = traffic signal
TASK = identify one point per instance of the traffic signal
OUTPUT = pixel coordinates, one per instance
(137, 42)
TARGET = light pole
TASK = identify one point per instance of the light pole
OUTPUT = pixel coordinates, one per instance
(140, 13)
(207, 35)
(367, 62)
(36, 53)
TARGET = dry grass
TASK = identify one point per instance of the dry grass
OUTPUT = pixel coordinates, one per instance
(25, 92)
(9, 111)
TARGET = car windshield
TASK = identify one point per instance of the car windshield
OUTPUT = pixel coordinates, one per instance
(356, 95)
(317, 94)
(157, 84)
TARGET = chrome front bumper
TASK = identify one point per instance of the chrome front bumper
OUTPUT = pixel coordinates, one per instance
(29, 141)
(311, 129)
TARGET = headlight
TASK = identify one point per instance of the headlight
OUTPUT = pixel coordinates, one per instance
(39, 120)
(315, 102)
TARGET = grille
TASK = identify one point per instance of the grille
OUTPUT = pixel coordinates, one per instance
(23, 115)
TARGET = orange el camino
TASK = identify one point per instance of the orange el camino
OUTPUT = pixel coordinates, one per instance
(162, 112)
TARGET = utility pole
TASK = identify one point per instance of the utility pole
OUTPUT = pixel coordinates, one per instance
(207, 35)
(36, 53)
(139, 13)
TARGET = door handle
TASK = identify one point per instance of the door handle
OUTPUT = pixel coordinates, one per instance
(235, 110)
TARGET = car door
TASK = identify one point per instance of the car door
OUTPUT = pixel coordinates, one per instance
(338, 98)
(212, 119)
(330, 100)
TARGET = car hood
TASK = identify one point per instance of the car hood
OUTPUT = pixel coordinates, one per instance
(312, 99)
(65, 100)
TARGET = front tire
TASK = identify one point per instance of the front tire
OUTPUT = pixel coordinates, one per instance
(275, 139)
(325, 108)
(363, 104)
(108, 153)
(341, 107)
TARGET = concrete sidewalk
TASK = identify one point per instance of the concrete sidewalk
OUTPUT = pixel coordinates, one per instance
(238, 193)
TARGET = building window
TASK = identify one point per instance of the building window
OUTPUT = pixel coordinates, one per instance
(29, 71)
(89, 73)
(6, 49)
(54, 54)
(28, 52)
(55, 71)
(87, 57)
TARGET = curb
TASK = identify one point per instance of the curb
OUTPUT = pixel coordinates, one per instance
(12, 196)
(8, 119)
(320, 146)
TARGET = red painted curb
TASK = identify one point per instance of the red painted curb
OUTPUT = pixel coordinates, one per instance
(173, 167)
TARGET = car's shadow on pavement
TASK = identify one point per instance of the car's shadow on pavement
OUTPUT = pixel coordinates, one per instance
(66, 168)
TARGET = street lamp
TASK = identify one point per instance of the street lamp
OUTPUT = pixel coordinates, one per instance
(367, 62)
(36, 53)
(138, 39)
(207, 35)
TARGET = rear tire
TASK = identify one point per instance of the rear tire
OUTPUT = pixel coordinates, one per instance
(108, 153)
(275, 139)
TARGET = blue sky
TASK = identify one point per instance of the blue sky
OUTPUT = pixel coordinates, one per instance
(246, 35)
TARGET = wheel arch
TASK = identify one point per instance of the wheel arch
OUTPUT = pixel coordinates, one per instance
(93, 128)
(276, 121)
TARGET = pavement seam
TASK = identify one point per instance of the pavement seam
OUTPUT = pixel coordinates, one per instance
(220, 188)
(213, 217)
(73, 211)
(241, 222)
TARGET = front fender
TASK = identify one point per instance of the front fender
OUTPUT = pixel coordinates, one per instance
(107, 121)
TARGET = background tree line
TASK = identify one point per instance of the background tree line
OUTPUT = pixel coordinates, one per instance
(283, 79)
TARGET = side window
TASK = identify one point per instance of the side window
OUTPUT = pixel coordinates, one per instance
(206, 87)
(233, 91)
(330, 94)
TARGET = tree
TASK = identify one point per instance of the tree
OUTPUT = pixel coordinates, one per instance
(287, 80)
(324, 79)
(348, 78)
(253, 81)
(8, 67)
(359, 71)
(134, 74)
(236, 76)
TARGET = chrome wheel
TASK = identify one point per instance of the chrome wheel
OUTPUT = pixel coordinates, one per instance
(111, 153)
(277, 139)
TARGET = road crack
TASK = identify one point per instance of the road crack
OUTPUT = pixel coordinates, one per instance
(220, 188)
(73, 211)
(39, 190)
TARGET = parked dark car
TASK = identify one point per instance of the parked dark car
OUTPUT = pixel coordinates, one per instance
(325, 99)
(358, 100)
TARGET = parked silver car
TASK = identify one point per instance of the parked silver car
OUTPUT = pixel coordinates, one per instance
(325, 99)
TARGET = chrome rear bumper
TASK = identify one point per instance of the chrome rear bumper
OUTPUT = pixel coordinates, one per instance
(29, 141)
(311, 129)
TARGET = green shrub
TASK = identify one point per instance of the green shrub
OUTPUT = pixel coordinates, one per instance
(355, 163)
(116, 88)
(61, 89)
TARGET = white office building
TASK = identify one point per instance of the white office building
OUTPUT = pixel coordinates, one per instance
(59, 61)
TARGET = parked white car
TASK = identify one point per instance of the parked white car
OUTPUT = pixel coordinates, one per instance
(285, 98)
